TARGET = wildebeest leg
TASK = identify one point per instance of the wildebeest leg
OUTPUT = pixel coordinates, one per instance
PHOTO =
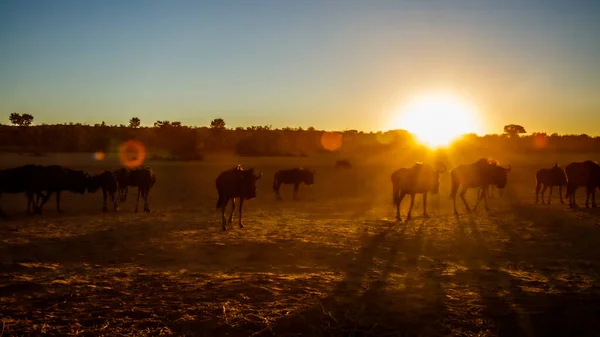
(112, 197)
(572, 202)
(587, 196)
(104, 199)
(57, 202)
(232, 210)
(463, 191)
(241, 207)
(145, 193)
(543, 191)
(277, 186)
(224, 222)
(398, 202)
(296, 185)
(550, 195)
(412, 202)
(138, 199)
(560, 194)
(425, 215)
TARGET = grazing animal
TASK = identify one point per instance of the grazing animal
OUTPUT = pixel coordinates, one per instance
(480, 174)
(122, 175)
(545, 177)
(235, 183)
(55, 179)
(343, 164)
(294, 176)
(22, 179)
(109, 185)
(144, 179)
(421, 178)
(586, 174)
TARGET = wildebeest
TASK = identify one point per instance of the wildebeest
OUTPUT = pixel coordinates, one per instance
(122, 175)
(23, 179)
(294, 176)
(235, 183)
(480, 174)
(142, 177)
(56, 179)
(343, 164)
(585, 174)
(109, 185)
(554, 176)
(421, 178)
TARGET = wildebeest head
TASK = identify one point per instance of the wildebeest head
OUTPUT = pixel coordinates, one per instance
(441, 168)
(308, 176)
(499, 175)
(248, 183)
(77, 181)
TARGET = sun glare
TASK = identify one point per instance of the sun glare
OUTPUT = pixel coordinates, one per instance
(437, 119)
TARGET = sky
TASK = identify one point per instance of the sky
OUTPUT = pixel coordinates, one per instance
(331, 64)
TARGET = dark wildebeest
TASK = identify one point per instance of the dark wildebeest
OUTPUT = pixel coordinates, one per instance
(421, 178)
(585, 174)
(480, 174)
(109, 185)
(554, 176)
(294, 176)
(142, 177)
(235, 183)
(23, 179)
(122, 175)
(55, 179)
(343, 164)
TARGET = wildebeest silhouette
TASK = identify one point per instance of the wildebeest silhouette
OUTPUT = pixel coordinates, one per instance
(586, 174)
(343, 164)
(56, 179)
(480, 174)
(294, 176)
(141, 177)
(109, 185)
(550, 177)
(235, 183)
(122, 176)
(23, 179)
(420, 178)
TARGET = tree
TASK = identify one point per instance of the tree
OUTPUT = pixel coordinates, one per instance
(21, 120)
(217, 124)
(134, 123)
(513, 130)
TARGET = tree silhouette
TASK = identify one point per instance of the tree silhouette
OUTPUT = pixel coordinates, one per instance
(217, 124)
(134, 123)
(513, 130)
(21, 120)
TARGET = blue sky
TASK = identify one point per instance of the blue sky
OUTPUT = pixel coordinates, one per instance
(330, 64)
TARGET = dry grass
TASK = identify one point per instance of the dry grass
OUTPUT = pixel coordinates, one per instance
(332, 264)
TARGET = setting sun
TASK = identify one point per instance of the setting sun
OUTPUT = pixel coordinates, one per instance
(437, 119)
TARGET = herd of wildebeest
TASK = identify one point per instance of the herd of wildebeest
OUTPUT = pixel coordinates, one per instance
(40, 182)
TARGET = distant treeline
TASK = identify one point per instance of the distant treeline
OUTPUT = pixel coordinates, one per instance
(176, 141)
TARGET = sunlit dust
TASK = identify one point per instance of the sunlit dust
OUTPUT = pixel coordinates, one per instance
(540, 141)
(132, 153)
(99, 155)
(437, 119)
(331, 141)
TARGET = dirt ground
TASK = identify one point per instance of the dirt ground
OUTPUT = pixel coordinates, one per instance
(334, 263)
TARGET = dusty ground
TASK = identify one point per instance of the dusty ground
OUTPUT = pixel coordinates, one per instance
(334, 263)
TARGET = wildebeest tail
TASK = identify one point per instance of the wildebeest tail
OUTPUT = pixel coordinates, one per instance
(221, 201)
(455, 183)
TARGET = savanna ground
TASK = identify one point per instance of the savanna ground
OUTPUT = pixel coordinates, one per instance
(334, 263)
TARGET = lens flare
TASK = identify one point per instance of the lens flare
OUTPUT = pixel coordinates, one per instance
(99, 155)
(331, 141)
(132, 153)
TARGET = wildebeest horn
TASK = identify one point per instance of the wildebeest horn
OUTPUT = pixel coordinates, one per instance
(259, 175)
(508, 169)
